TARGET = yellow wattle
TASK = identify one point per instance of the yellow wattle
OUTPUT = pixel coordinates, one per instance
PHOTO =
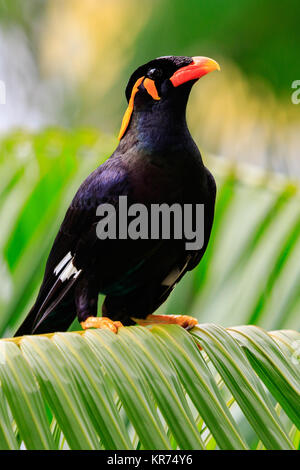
(128, 112)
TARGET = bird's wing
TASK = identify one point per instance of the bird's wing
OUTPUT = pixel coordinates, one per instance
(209, 210)
(77, 232)
(191, 259)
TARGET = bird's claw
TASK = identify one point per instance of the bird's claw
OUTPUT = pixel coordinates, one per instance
(101, 322)
(185, 321)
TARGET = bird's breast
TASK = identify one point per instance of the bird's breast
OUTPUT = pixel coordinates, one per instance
(153, 182)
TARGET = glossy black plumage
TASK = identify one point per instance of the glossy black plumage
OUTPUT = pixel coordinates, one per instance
(156, 161)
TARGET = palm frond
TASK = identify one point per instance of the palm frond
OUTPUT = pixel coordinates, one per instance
(151, 389)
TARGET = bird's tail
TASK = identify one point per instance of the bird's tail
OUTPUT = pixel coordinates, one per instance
(58, 318)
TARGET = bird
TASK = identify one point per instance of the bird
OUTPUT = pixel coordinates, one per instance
(156, 162)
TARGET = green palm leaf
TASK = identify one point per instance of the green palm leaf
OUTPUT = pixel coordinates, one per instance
(150, 388)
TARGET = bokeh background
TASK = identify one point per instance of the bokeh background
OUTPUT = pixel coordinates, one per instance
(65, 65)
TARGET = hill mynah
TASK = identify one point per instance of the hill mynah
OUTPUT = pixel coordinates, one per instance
(156, 162)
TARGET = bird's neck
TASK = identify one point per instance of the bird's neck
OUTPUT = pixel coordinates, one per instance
(162, 131)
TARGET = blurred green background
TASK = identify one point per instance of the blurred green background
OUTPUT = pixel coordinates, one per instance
(65, 65)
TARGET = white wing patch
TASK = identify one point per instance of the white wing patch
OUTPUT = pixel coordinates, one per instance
(172, 277)
(66, 268)
(62, 263)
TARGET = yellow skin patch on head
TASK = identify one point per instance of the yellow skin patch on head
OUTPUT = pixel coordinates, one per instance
(151, 89)
(128, 112)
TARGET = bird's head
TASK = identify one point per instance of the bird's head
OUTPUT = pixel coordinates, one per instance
(162, 82)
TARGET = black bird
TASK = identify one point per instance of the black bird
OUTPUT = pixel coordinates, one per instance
(156, 162)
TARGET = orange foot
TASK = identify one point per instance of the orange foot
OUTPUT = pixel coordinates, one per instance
(182, 320)
(101, 322)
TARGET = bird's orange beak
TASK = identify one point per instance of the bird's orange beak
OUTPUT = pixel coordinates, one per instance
(199, 67)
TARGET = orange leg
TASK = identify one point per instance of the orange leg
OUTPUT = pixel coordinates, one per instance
(182, 320)
(101, 322)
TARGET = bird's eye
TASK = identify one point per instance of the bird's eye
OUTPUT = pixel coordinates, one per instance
(154, 74)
